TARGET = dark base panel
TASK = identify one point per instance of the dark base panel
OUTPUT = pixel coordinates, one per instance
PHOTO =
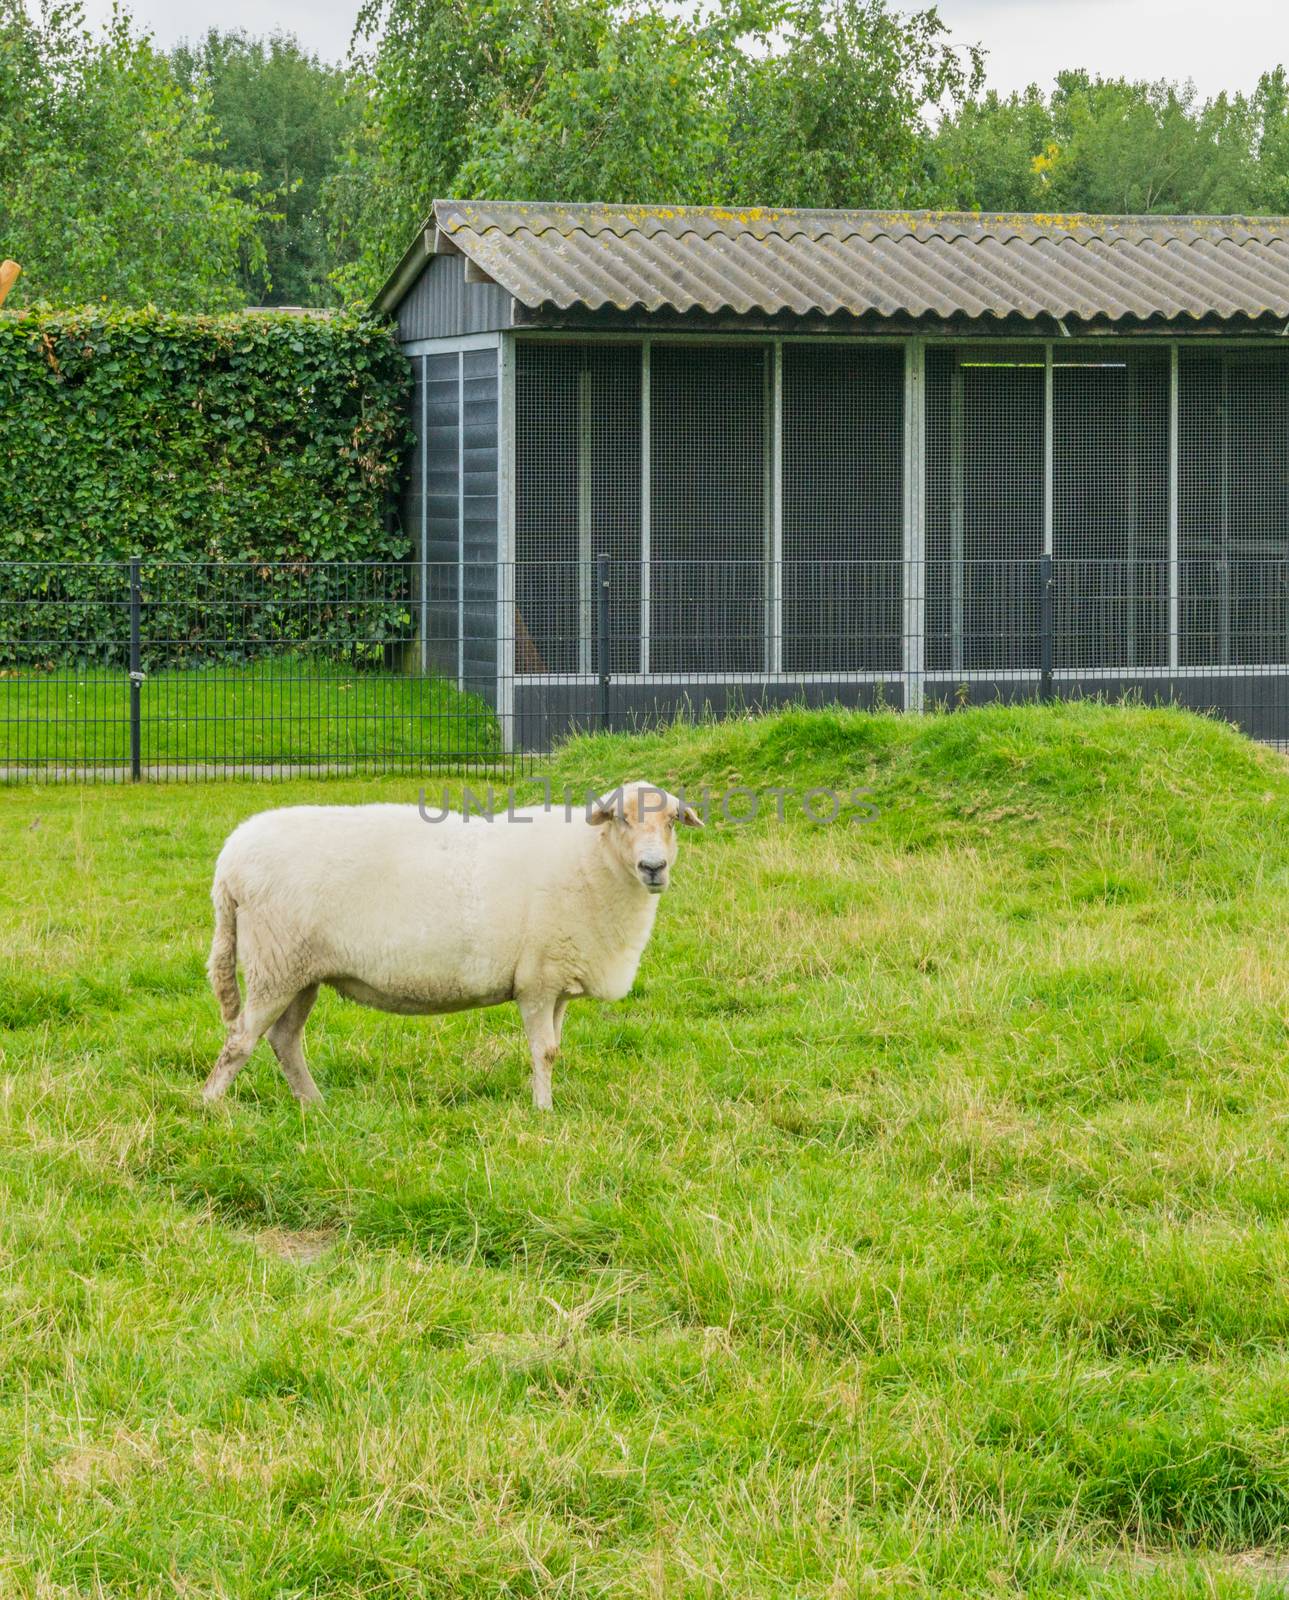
(548, 712)
(1256, 701)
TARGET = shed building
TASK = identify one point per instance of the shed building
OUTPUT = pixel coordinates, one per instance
(904, 458)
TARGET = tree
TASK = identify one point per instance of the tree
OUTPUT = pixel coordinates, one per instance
(562, 99)
(1269, 114)
(1145, 147)
(287, 116)
(108, 190)
(769, 102)
(833, 115)
(992, 156)
(1110, 145)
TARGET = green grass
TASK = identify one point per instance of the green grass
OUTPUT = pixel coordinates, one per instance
(920, 1225)
(288, 709)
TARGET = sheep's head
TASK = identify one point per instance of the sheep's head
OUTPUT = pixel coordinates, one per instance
(640, 822)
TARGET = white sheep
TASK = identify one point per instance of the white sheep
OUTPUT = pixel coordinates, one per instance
(420, 917)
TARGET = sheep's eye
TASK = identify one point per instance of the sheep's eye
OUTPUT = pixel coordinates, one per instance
(671, 823)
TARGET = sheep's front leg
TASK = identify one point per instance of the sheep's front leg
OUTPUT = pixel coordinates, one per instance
(538, 1012)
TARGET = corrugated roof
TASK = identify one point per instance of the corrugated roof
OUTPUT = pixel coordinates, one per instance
(889, 264)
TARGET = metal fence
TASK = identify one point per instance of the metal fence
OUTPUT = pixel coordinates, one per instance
(151, 670)
(124, 671)
(599, 648)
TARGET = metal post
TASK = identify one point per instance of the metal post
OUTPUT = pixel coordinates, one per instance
(1049, 456)
(914, 531)
(1046, 622)
(602, 636)
(506, 610)
(584, 534)
(460, 519)
(1224, 558)
(646, 497)
(1174, 541)
(422, 530)
(1047, 627)
(136, 674)
(1134, 577)
(774, 564)
(957, 514)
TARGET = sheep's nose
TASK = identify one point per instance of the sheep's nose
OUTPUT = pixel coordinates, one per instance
(653, 869)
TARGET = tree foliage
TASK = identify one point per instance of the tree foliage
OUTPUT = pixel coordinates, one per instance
(834, 114)
(287, 116)
(245, 169)
(1111, 145)
(108, 189)
(775, 101)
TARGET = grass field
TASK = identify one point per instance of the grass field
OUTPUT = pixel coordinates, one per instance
(920, 1225)
(287, 709)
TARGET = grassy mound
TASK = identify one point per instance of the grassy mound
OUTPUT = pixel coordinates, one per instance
(919, 1225)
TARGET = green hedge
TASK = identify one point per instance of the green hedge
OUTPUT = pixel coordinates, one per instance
(271, 440)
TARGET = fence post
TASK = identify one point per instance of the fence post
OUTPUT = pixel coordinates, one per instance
(1047, 626)
(136, 675)
(602, 636)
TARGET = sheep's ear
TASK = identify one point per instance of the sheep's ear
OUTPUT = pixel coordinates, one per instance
(689, 818)
(602, 810)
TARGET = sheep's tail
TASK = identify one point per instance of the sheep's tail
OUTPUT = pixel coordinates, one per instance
(222, 966)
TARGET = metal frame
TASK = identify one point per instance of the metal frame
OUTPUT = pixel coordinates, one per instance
(461, 520)
(506, 541)
(1049, 454)
(914, 533)
(774, 512)
(1251, 671)
(585, 533)
(683, 679)
(932, 341)
(957, 514)
(423, 534)
(913, 517)
(1133, 377)
(1174, 517)
(1224, 559)
(646, 498)
(447, 345)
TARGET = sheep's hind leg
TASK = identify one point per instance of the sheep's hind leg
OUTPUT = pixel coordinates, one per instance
(257, 1017)
(287, 1038)
(538, 1013)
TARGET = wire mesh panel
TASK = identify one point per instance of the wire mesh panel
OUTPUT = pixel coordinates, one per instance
(412, 500)
(1110, 508)
(64, 660)
(549, 625)
(1234, 511)
(153, 669)
(842, 476)
(438, 532)
(480, 649)
(710, 498)
(984, 511)
(577, 496)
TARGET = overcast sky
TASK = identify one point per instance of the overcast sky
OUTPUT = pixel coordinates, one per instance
(1221, 44)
